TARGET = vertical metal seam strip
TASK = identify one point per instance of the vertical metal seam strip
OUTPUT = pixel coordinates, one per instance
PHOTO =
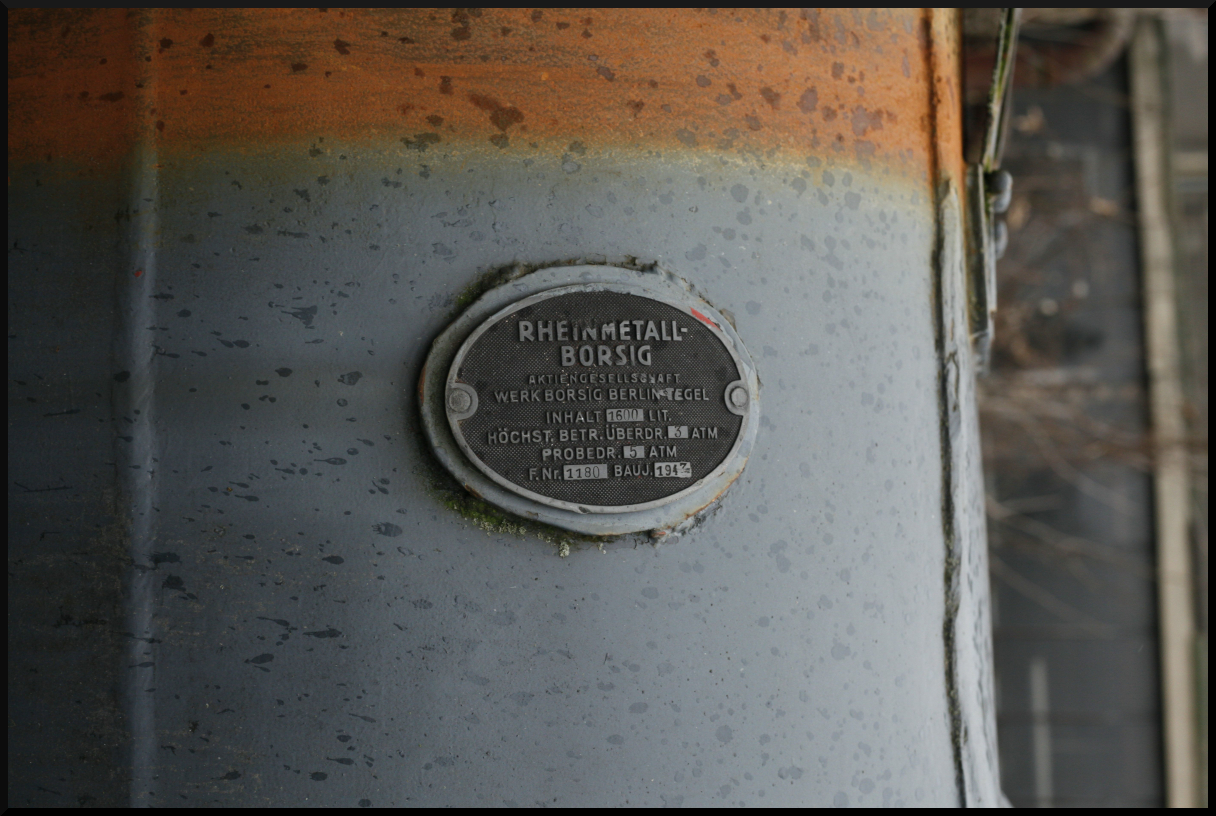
(134, 414)
(940, 191)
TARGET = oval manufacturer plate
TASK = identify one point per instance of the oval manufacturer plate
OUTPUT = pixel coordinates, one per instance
(598, 398)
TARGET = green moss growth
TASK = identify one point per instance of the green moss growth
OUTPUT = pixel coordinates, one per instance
(494, 521)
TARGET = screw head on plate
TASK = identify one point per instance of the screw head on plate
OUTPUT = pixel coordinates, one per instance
(738, 396)
(459, 401)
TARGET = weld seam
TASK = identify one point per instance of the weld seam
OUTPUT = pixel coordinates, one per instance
(946, 360)
(136, 444)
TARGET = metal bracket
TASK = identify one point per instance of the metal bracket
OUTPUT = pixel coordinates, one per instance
(989, 190)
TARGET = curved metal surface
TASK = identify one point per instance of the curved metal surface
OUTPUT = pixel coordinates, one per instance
(84, 84)
(308, 611)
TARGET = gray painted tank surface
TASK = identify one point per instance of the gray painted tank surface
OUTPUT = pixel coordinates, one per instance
(315, 613)
(784, 642)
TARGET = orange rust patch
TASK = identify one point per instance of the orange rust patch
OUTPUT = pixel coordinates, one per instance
(71, 85)
(854, 85)
(945, 68)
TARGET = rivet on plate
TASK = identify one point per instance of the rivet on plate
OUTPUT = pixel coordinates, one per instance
(459, 401)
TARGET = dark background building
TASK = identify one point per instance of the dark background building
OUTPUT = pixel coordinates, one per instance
(1069, 451)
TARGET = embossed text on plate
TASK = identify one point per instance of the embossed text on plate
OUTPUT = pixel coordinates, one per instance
(598, 399)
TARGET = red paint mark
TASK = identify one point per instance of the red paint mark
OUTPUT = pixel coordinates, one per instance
(702, 318)
(140, 272)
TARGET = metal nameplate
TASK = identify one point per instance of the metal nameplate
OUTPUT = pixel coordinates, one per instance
(598, 399)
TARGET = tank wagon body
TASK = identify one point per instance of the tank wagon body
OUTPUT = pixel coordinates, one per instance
(240, 572)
